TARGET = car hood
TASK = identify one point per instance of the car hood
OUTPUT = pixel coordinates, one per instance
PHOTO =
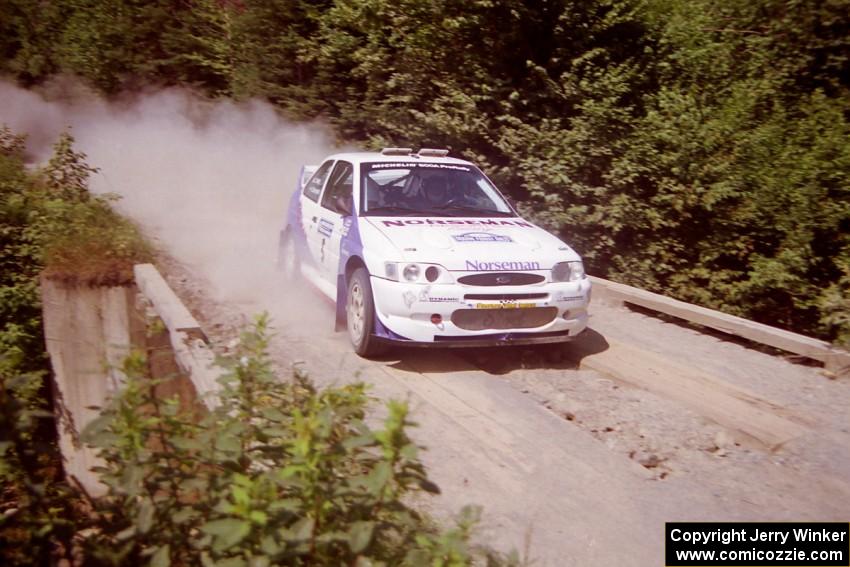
(473, 244)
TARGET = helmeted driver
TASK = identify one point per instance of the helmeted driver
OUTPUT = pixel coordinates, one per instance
(435, 191)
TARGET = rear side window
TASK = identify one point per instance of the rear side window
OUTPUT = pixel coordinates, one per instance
(314, 187)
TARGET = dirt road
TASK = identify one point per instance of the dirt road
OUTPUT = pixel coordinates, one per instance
(583, 460)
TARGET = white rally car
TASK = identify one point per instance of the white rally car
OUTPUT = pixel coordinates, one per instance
(421, 249)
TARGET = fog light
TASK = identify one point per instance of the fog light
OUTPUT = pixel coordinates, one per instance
(391, 270)
(567, 314)
(436, 318)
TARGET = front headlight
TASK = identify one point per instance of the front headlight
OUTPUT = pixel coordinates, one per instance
(411, 272)
(568, 271)
(416, 273)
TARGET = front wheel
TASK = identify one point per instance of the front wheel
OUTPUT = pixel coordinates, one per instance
(360, 314)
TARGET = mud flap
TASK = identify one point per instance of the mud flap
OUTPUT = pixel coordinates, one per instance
(341, 292)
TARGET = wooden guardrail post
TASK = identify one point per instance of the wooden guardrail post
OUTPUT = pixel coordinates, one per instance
(835, 360)
(187, 340)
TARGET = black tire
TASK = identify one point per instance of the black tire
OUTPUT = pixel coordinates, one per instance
(360, 315)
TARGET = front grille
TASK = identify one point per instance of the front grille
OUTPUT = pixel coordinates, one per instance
(480, 319)
(501, 278)
(504, 296)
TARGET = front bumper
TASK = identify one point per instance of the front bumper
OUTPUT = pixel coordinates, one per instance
(528, 314)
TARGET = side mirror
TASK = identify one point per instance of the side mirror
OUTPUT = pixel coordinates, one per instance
(343, 205)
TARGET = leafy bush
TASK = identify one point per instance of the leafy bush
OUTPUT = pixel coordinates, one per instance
(40, 512)
(89, 244)
(49, 222)
(84, 241)
(27, 466)
(277, 473)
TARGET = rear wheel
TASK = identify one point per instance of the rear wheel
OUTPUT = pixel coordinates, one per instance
(360, 314)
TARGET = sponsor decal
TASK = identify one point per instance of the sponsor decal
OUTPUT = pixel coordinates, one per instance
(481, 237)
(455, 222)
(425, 165)
(426, 297)
(506, 266)
(505, 305)
(409, 298)
(325, 227)
(346, 226)
(561, 298)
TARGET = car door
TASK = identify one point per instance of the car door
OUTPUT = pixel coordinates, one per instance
(337, 203)
(310, 212)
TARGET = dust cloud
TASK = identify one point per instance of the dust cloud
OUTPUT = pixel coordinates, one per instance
(210, 181)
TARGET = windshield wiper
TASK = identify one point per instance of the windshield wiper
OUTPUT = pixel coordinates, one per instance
(393, 211)
(467, 209)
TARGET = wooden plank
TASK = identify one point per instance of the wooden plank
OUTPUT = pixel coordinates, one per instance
(188, 340)
(750, 417)
(834, 359)
(165, 302)
(198, 362)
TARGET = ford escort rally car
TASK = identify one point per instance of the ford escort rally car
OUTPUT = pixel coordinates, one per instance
(421, 249)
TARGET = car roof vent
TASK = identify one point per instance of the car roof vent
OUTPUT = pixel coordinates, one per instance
(432, 152)
(397, 151)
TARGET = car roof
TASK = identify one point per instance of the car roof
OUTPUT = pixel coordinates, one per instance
(369, 157)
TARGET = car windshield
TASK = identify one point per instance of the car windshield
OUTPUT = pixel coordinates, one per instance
(395, 189)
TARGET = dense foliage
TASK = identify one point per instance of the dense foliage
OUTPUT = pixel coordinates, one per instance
(278, 473)
(697, 148)
(34, 501)
(20, 262)
(49, 225)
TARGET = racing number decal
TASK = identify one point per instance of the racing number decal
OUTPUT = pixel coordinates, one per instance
(325, 228)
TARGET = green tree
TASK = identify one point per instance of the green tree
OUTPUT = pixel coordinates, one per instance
(131, 43)
(270, 42)
(30, 32)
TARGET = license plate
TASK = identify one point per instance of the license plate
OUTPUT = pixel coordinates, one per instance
(506, 305)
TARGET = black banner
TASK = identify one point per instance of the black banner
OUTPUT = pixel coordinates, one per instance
(758, 544)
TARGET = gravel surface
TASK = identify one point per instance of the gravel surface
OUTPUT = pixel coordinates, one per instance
(518, 420)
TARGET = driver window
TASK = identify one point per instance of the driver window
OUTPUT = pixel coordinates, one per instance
(314, 187)
(340, 186)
